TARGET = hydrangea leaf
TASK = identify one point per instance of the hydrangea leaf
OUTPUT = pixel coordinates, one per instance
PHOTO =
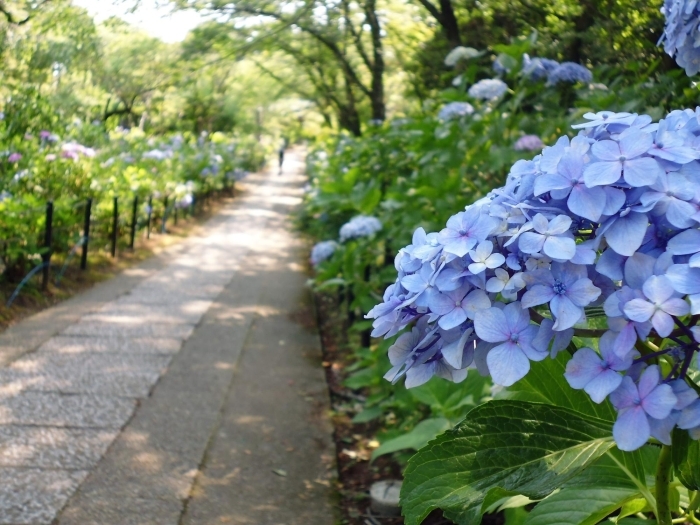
(580, 506)
(418, 437)
(529, 448)
(686, 459)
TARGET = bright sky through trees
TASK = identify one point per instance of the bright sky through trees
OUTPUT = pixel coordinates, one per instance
(157, 21)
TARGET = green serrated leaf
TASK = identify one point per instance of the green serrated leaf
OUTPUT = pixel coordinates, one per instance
(523, 447)
(686, 459)
(415, 439)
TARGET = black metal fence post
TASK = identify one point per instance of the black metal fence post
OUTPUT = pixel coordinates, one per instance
(48, 240)
(134, 218)
(86, 234)
(150, 212)
(115, 225)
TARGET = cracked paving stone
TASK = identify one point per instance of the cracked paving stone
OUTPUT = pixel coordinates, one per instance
(53, 448)
(33, 496)
(52, 409)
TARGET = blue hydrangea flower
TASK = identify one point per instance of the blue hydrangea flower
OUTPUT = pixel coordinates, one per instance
(360, 226)
(681, 33)
(455, 110)
(322, 251)
(569, 72)
(536, 69)
(636, 403)
(488, 89)
(510, 327)
(567, 289)
(598, 375)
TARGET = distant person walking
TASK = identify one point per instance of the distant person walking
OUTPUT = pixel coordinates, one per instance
(281, 154)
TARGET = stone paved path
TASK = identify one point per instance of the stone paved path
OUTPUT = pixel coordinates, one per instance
(186, 391)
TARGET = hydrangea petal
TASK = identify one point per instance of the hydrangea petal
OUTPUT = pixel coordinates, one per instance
(507, 364)
(631, 430)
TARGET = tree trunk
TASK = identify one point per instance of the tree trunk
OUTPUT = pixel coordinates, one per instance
(377, 95)
(449, 23)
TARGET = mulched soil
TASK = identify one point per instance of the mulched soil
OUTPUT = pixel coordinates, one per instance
(355, 442)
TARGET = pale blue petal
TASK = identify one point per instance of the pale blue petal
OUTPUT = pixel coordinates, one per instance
(626, 394)
(679, 213)
(556, 247)
(566, 313)
(635, 144)
(610, 264)
(490, 325)
(441, 304)
(588, 203)
(602, 385)
(639, 310)
(685, 243)
(662, 323)
(657, 288)
(414, 283)
(625, 236)
(583, 292)
(531, 242)
(631, 430)
(507, 364)
(549, 182)
(641, 171)
(454, 318)
(638, 269)
(685, 280)
(419, 375)
(661, 428)
(582, 368)
(538, 294)
(676, 307)
(559, 225)
(660, 401)
(690, 416)
(602, 173)
(606, 150)
(648, 381)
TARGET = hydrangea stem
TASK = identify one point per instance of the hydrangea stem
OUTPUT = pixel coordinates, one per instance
(663, 482)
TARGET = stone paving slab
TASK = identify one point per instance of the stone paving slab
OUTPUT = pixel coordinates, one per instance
(105, 329)
(78, 345)
(57, 410)
(34, 496)
(53, 448)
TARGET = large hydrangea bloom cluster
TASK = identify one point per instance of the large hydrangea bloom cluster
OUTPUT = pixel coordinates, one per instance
(536, 69)
(488, 89)
(681, 38)
(322, 251)
(605, 225)
(455, 110)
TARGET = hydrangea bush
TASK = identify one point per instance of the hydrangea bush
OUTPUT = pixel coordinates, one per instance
(591, 248)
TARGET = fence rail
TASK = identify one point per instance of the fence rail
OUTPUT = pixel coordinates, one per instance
(136, 223)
